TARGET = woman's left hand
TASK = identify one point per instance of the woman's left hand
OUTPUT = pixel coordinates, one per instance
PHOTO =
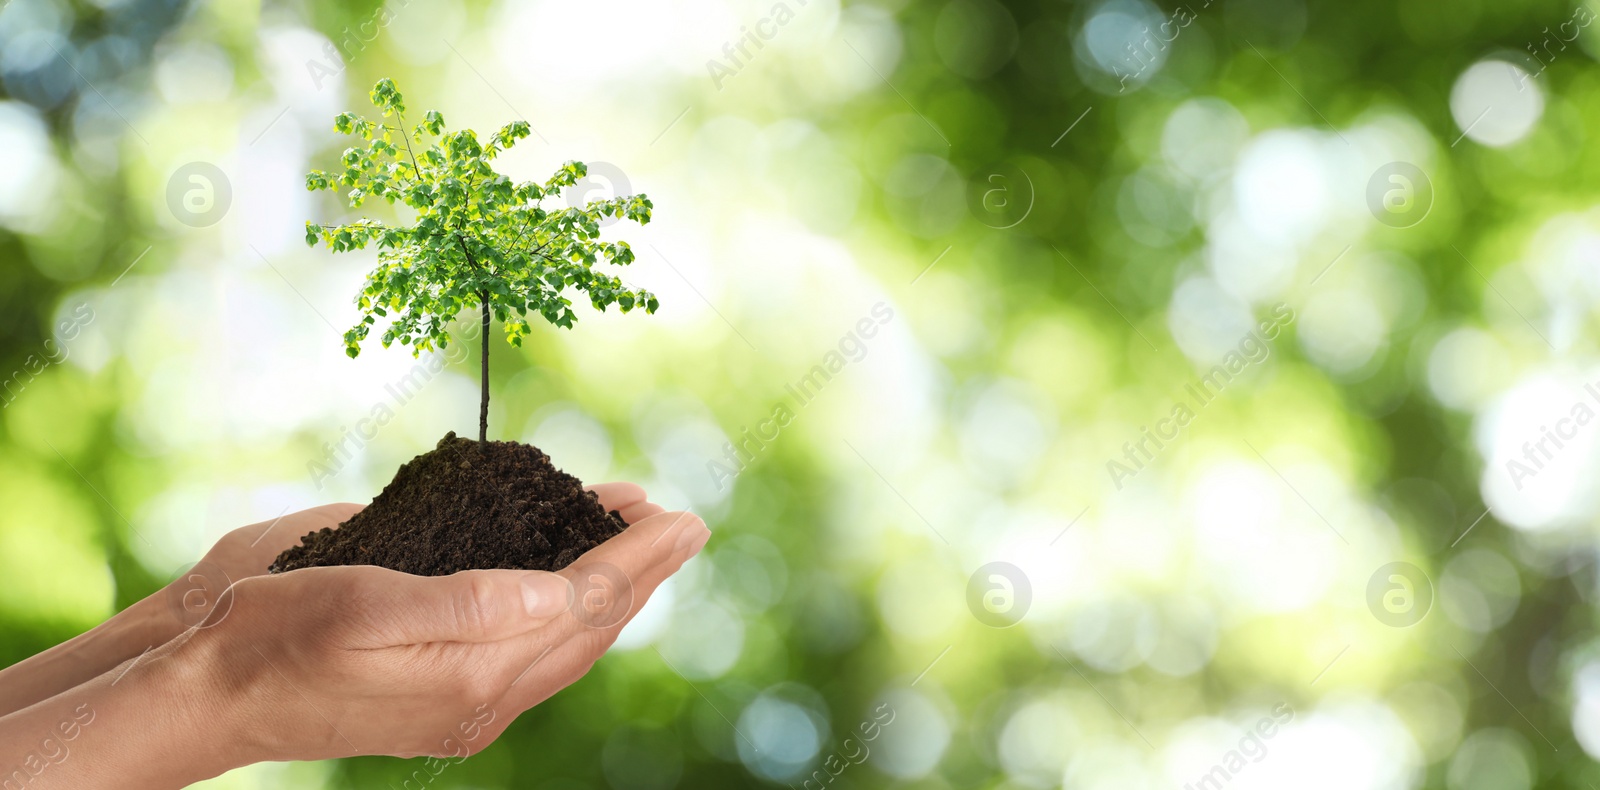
(157, 619)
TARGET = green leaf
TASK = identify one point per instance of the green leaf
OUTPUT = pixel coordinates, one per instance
(476, 231)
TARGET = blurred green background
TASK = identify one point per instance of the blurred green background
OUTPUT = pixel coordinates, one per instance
(1070, 212)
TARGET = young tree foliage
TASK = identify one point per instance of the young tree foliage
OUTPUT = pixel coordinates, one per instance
(479, 239)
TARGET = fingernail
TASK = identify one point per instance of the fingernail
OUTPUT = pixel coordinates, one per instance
(545, 594)
(689, 534)
(699, 541)
(700, 544)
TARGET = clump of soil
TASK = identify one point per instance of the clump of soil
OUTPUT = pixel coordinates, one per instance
(466, 505)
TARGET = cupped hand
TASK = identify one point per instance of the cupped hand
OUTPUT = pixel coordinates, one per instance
(247, 551)
(157, 619)
(241, 554)
(338, 661)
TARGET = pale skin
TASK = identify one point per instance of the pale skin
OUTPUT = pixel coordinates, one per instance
(326, 662)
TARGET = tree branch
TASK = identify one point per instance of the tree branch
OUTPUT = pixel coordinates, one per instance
(404, 135)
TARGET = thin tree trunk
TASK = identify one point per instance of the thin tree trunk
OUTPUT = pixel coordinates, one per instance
(483, 405)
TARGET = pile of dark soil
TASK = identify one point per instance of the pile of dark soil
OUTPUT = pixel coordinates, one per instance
(466, 505)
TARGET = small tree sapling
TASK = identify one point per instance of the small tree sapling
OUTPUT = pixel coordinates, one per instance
(478, 238)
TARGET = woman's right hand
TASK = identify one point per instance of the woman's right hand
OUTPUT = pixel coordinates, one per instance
(339, 661)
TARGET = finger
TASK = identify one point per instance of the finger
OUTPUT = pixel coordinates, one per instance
(648, 542)
(638, 512)
(248, 550)
(470, 606)
(686, 544)
(617, 496)
(613, 580)
(552, 658)
(604, 617)
(284, 531)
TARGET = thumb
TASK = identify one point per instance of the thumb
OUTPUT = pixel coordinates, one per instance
(475, 606)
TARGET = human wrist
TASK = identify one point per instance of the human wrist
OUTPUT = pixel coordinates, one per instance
(232, 715)
(78, 660)
(152, 723)
(143, 626)
(192, 720)
(222, 671)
